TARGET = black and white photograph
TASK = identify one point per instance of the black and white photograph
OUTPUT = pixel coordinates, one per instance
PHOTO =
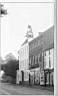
(28, 47)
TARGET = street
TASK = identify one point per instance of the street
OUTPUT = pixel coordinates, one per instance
(9, 89)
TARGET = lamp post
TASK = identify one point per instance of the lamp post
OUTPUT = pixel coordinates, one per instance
(2, 12)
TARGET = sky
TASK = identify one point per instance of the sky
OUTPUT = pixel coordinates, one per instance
(27, 0)
(14, 25)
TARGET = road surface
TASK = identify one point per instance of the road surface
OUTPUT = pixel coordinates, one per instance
(9, 89)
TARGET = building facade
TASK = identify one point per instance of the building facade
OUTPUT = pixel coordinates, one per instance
(41, 50)
(24, 63)
(49, 66)
(35, 59)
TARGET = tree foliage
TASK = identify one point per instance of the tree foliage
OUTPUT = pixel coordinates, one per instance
(10, 68)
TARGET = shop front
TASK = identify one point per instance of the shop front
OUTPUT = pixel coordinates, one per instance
(42, 77)
(35, 76)
(49, 77)
(24, 77)
(52, 78)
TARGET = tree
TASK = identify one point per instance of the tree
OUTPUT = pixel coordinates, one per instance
(11, 65)
(10, 68)
(10, 57)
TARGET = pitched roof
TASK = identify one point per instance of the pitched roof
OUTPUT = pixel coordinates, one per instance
(25, 42)
(46, 40)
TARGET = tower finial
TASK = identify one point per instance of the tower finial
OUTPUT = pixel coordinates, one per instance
(29, 33)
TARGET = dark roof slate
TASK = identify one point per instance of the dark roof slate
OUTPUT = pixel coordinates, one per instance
(46, 40)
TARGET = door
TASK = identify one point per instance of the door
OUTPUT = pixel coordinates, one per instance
(22, 76)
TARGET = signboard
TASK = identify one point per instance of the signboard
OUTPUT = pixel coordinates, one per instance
(42, 78)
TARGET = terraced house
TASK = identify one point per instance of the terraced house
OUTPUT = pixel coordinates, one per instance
(41, 65)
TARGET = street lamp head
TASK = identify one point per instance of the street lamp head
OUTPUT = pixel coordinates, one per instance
(2, 11)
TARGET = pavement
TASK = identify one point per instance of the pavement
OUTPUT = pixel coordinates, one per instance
(13, 89)
(50, 88)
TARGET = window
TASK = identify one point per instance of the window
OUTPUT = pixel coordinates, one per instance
(30, 61)
(49, 63)
(35, 44)
(49, 51)
(32, 45)
(44, 53)
(40, 58)
(36, 59)
(38, 43)
(33, 59)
